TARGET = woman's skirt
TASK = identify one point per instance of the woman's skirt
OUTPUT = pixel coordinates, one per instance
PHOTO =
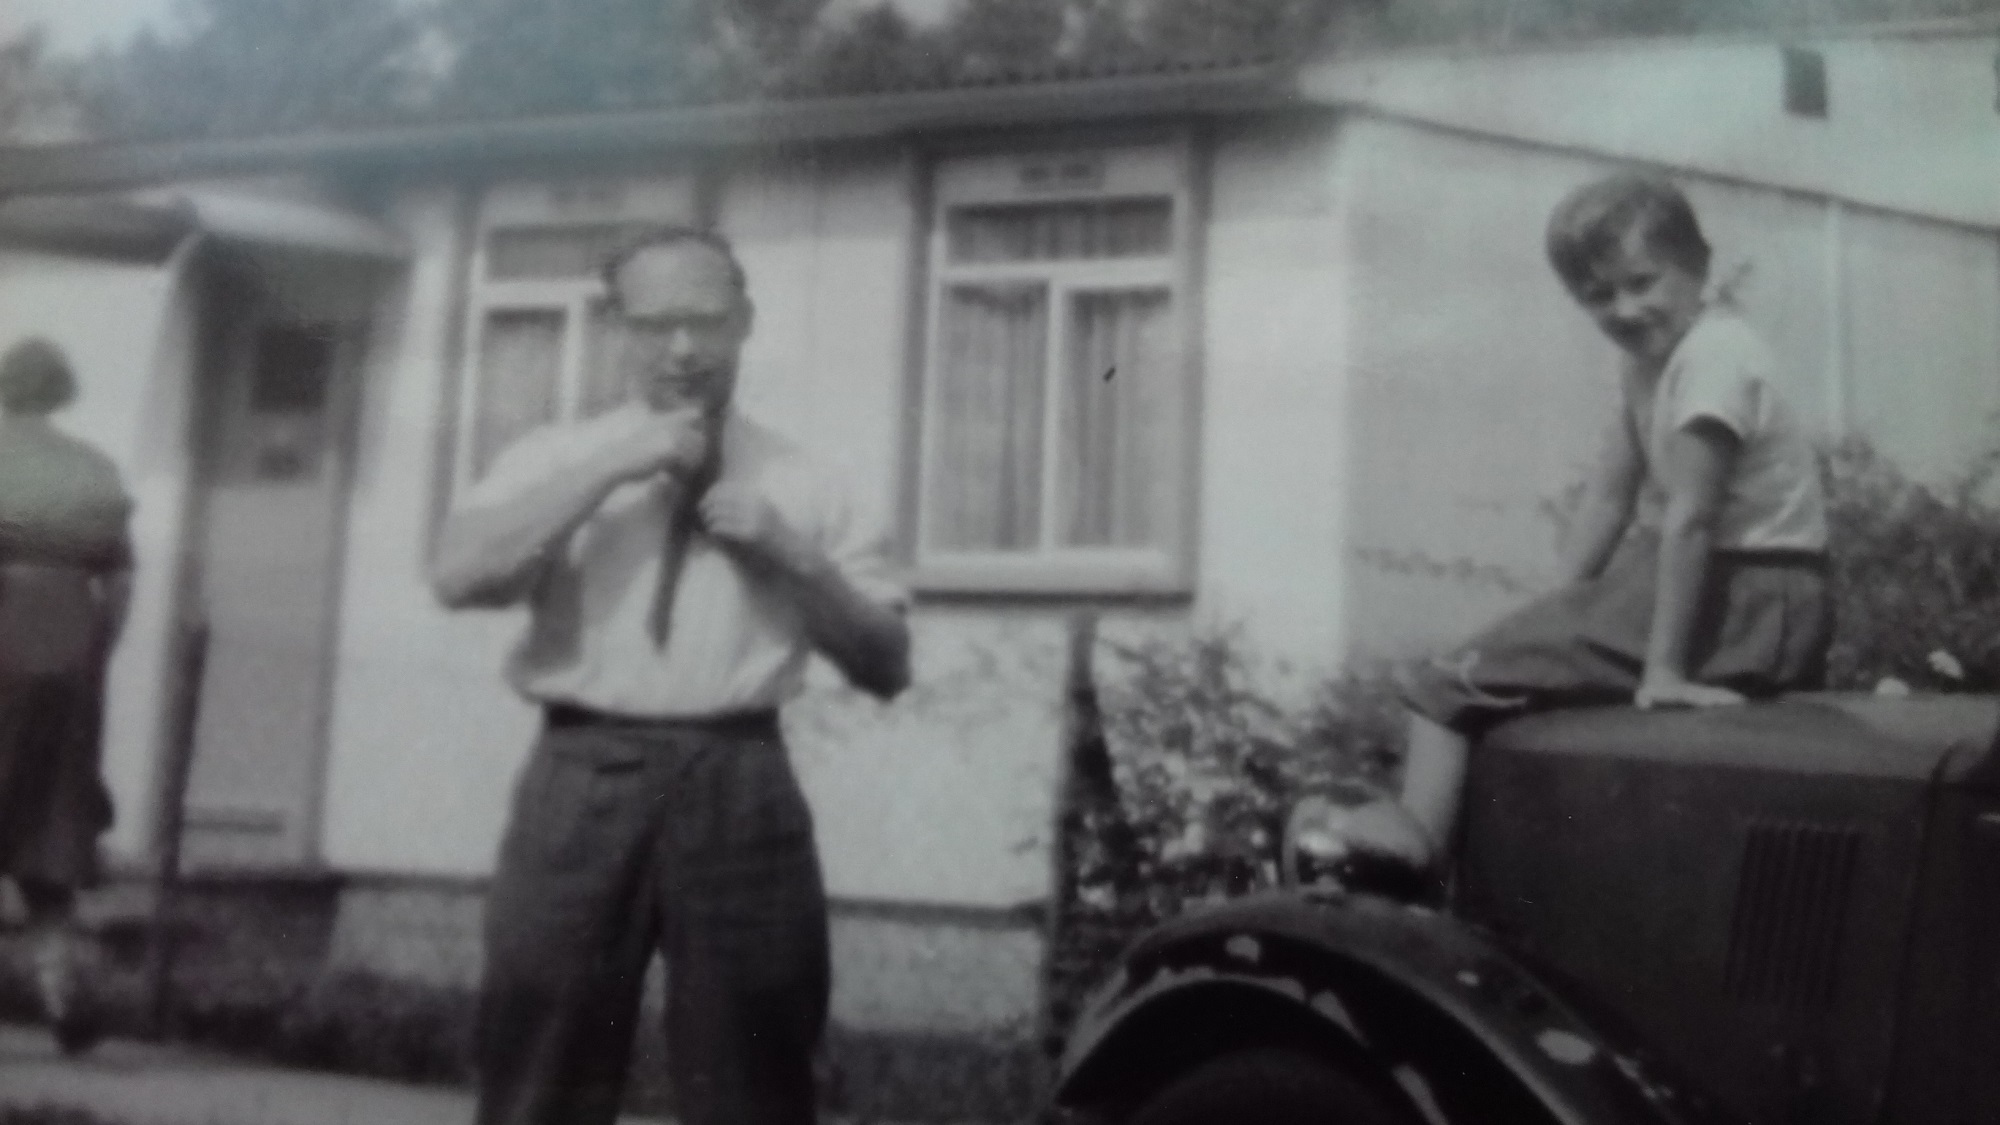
(53, 803)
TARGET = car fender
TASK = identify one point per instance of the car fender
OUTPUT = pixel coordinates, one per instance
(1374, 978)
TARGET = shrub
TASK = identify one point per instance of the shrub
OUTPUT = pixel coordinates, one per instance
(1916, 574)
(1200, 769)
(343, 1020)
(1207, 767)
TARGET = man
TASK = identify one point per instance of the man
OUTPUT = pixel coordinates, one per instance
(680, 563)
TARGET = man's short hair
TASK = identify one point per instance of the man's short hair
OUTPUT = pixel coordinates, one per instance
(1588, 224)
(35, 378)
(672, 235)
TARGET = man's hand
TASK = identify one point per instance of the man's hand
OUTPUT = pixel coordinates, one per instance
(675, 442)
(1663, 690)
(869, 642)
(493, 554)
(745, 523)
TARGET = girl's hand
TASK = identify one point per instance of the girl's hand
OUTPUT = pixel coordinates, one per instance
(1660, 690)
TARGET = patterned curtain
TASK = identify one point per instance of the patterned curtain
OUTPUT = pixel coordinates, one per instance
(520, 355)
(1120, 417)
(986, 453)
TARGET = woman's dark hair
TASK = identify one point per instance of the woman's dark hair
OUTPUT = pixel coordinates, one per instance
(1587, 225)
(35, 378)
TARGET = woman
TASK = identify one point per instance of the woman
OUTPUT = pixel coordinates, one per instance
(65, 578)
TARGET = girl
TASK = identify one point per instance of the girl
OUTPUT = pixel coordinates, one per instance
(1696, 566)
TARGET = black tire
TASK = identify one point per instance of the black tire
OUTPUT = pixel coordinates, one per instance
(1267, 1086)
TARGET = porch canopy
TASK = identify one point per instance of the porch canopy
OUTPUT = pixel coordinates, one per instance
(145, 226)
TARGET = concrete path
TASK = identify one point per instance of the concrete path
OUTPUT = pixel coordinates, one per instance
(130, 1083)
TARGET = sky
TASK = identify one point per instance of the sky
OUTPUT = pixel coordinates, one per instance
(76, 26)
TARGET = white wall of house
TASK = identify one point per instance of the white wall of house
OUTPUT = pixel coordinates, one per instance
(422, 741)
(1275, 466)
(1921, 107)
(1477, 384)
(128, 332)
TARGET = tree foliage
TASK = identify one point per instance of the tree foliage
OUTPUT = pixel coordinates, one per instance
(528, 56)
(241, 66)
(1204, 29)
(37, 97)
(244, 66)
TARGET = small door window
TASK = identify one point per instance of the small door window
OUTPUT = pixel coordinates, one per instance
(278, 434)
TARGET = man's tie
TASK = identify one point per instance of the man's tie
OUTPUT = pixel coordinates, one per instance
(681, 498)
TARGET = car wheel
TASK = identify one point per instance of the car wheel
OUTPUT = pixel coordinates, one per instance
(1267, 1086)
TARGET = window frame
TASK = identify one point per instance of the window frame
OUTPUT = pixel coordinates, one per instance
(1167, 164)
(670, 198)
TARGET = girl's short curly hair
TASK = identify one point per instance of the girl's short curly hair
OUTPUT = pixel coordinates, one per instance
(1587, 225)
(35, 378)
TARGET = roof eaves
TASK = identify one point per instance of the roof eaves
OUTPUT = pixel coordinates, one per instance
(95, 226)
(1527, 47)
(100, 166)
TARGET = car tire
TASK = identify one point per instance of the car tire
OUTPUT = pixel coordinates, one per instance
(1269, 1085)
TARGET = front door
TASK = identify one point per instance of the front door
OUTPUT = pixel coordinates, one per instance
(270, 541)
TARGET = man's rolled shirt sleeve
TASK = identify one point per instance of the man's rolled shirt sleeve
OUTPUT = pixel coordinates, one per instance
(529, 460)
(857, 543)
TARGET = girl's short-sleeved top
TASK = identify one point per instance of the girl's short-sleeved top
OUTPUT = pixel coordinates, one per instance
(1722, 372)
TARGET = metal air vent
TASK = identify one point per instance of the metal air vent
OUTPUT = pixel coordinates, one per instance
(1791, 906)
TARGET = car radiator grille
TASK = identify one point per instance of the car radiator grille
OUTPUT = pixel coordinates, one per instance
(1791, 905)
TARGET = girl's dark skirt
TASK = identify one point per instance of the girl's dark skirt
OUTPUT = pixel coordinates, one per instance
(1763, 629)
(53, 804)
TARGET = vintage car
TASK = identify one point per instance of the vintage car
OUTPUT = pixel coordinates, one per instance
(1776, 913)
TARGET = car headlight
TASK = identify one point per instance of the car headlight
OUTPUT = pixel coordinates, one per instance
(1360, 840)
(1314, 849)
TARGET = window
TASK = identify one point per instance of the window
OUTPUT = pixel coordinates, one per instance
(538, 342)
(1055, 452)
(277, 433)
(1805, 82)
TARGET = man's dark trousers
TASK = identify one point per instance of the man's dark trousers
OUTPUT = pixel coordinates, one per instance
(629, 837)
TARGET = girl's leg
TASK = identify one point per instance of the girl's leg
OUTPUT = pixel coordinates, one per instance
(1414, 829)
(1411, 831)
(1434, 779)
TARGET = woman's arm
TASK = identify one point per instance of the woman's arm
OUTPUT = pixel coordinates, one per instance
(1698, 460)
(1606, 507)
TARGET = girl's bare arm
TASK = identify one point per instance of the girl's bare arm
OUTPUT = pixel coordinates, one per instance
(1606, 507)
(1698, 460)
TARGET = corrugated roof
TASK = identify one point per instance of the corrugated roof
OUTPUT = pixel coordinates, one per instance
(94, 226)
(1003, 102)
(146, 226)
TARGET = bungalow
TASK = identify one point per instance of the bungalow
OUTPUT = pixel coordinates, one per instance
(1265, 346)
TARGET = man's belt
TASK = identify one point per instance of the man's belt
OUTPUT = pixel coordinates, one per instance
(570, 716)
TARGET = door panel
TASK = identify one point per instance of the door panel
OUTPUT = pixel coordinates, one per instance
(271, 542)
